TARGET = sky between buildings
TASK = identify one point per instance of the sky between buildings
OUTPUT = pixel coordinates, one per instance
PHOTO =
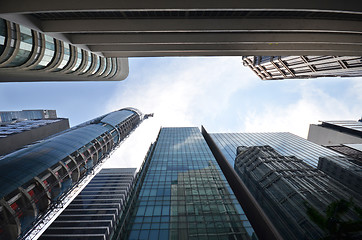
(219, 93)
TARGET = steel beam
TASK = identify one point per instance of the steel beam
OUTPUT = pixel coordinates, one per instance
(23, 6)
(201, 25)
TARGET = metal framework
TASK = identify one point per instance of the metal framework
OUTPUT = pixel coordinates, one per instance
(282, 185)
(288, 67)
(26, 205)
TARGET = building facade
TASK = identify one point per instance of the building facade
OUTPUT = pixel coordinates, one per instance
(9, 116)
(196, 28)
(330, 133)
(18, 134)
(20, 128)
(36, 177)
(181, 193)
(98, 208)
(285, 185)
(285, 143)
(290, 67)
(343, 169)
(30, 55)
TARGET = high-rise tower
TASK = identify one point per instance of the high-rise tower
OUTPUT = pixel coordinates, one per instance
(33, 179)
(284, 174)
(285, 185)
(181, 193)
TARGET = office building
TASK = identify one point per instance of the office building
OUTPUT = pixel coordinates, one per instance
(20, 128)
(181, 193)
(283, 185)
(196, 28)
(28, 55)
(35, 178)
(284, 143)
(330, 133)
(98, 208)
(290, 67)
(343, 169)
(344, 137)
(9, 116)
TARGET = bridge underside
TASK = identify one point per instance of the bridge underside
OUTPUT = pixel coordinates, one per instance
(142, 28)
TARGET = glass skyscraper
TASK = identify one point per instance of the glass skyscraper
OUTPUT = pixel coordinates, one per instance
(283, 142)
(35, 178)
(181, 193)
(284, 185)
(280, 170)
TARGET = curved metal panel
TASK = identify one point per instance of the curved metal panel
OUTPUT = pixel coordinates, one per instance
(16, 46)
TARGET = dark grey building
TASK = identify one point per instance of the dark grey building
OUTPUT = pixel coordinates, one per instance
(20, 128)
(345, 170)
(97, 210)
(35, 178)
(290, 67)
(282, 185)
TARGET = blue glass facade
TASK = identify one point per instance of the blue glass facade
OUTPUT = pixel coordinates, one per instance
(284, 143)
(35, 177)
(183, 194)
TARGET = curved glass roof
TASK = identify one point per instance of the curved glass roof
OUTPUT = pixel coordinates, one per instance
(117, 117)
(21, 166)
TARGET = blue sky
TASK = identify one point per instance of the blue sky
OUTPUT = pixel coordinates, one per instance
(219, 93)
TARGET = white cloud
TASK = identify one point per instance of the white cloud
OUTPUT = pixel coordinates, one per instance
(195, 91)
(313, 106)
(185, 92)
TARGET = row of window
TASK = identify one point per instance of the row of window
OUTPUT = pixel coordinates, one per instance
(26, 49)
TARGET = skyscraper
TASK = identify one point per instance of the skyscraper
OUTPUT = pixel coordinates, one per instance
(285, 143)
(285, 185)
(19, 128)
(33, 179)
(306, 156)
(288, 67)
(97, 210)
(181, 193)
